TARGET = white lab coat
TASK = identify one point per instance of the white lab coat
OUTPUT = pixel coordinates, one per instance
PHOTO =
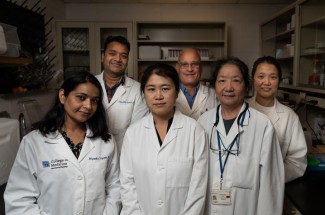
(164, 180)
(205, 100)
(291, 137)
(126, 107)
(47, 178)
(256, 176)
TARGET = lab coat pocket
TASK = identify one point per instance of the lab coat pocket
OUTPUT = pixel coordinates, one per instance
(244, 175)
(179, 172)
(95, 179)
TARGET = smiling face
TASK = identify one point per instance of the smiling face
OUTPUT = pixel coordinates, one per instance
(189, 67)
(81, 103)
(266, 81)
(115, 58)
(160, 94)
(230, 87)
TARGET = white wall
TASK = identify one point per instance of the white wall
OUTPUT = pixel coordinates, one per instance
(243, 20)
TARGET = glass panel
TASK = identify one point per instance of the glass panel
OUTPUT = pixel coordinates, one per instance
(312, 45)
(75, 43)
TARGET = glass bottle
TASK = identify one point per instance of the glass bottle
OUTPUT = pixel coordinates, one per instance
(314, 79)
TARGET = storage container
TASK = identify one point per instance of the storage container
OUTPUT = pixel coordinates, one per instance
(149, 52)
(12, 39)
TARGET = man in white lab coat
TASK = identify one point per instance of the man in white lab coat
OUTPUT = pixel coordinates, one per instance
(123, 102)
(194, 98)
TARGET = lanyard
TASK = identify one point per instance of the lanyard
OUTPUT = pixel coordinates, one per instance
(222, 166)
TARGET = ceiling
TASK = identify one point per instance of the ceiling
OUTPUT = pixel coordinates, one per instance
(186, 1)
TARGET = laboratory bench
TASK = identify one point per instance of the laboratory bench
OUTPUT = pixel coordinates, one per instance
(307, 193)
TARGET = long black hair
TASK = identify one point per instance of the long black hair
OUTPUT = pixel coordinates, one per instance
(54, 118)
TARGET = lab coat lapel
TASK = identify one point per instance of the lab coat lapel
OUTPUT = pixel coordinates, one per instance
(102, 83)
(275, 117)
(235, 128)
(173, 130)
(87, 146)
(183, 105)
(149, 124)
(201, 96)
(118, 93)
(61, 147)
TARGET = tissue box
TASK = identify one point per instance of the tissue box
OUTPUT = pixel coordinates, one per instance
(149, 52)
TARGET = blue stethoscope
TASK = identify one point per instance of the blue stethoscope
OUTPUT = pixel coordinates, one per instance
(221, 147)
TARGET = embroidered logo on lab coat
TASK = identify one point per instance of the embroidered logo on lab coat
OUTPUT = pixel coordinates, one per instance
(55, 164)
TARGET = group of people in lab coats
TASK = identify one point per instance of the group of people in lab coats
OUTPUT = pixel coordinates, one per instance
(174, 146)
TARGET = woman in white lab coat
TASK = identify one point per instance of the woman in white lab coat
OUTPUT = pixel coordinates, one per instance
(164, 155)
(69, 165)
(246, 173)
(266, 75)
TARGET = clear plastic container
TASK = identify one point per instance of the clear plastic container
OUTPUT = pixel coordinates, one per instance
(3, 43)
(12, 39)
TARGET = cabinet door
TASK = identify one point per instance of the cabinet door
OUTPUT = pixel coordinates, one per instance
(75, 47)
(102, 31)
(312, 44)
(278, 40)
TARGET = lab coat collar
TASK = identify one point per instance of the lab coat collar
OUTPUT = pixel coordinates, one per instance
(234, 128)
(119, 91)
(201, 95)
(278, 109)
(172, 132)
(59, 144)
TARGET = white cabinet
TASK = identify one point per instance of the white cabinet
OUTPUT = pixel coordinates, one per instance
(79, 44)
(163, 41)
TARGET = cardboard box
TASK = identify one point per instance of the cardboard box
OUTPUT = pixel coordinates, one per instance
(149, 52)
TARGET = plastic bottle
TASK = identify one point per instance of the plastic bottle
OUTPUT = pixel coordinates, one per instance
(314, 79)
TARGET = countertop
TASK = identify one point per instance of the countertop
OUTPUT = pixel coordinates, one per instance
(308, 193)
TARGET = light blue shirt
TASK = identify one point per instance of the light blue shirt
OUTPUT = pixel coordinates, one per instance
(190, 99)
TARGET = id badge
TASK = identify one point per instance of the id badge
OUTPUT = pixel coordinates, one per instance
(220, 197)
